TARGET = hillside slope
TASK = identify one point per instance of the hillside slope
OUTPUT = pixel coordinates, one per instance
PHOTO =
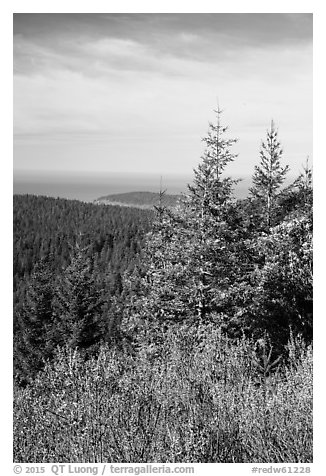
(145, 200)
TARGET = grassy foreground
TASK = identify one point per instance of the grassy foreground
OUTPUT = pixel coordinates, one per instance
(217, 402)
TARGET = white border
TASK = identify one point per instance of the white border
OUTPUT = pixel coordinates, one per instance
(167, 6)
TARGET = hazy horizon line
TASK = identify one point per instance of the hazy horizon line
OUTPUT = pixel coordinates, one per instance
(101, 173)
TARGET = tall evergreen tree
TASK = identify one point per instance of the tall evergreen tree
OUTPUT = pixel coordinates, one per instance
(275, 296)
(187, 258)
(79, 304)
(207, 203)
(269, 175)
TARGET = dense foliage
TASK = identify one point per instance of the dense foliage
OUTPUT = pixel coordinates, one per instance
(192, 345)
(218, 260)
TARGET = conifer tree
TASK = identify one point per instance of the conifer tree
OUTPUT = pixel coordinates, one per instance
(276, 296)
(304, 186)
(297, 198)
(35, 337)
(211, 191)
(209, 199)
(282, 297)
(79, 304)
(187, 252)
(269, 175)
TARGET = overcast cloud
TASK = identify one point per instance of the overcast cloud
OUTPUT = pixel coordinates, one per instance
(135, 92)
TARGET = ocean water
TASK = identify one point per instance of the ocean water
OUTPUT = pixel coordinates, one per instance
(89, 187)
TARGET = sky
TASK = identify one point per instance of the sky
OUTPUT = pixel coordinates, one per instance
(134, 93)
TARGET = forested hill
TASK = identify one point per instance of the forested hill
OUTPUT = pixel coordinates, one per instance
(47, 233)
(144, 200)
(44, 225)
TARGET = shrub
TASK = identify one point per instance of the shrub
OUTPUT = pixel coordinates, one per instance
(209, 403)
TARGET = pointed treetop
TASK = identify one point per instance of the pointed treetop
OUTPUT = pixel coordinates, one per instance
(208, 185)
